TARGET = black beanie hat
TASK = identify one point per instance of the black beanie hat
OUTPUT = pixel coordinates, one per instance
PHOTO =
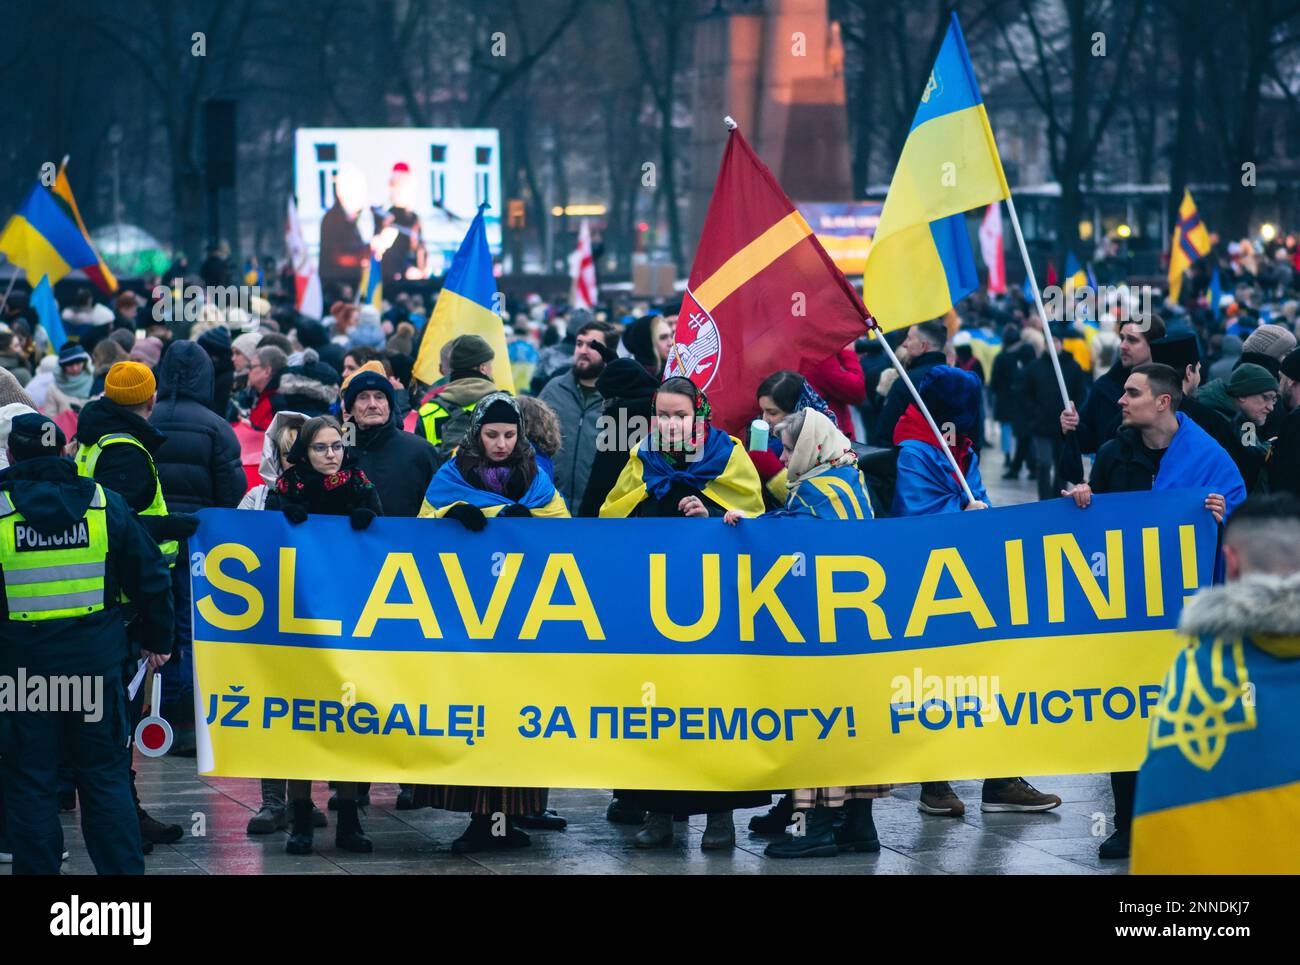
(1291, 366)
(499, 410)
(368, 381)
(32, 435)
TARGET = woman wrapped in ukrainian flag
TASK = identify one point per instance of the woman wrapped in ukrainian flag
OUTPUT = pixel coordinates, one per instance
(685, 467)
(493, 473)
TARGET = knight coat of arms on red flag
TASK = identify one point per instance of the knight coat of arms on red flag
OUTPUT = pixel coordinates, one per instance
(763, 294)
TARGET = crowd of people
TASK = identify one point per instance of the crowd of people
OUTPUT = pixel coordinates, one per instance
(272, 411)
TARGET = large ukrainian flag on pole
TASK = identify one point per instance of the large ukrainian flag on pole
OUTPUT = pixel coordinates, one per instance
(920, 263)
(465, 308)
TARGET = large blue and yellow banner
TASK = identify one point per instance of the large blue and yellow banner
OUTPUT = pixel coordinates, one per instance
(690, 654)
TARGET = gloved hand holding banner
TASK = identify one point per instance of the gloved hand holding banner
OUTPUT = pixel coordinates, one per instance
(687, 654)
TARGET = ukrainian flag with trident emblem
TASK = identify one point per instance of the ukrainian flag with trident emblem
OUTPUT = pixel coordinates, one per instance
(920, 263)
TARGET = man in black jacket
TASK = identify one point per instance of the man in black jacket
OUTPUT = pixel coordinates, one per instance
(199, 465)
(924, 347)
(1099, 419)
(44, 504)
(400, 465)
(1040, 395)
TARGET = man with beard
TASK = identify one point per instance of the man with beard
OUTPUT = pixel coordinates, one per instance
(577, 404)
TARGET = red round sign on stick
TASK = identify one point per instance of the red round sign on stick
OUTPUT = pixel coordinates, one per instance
(153, 735)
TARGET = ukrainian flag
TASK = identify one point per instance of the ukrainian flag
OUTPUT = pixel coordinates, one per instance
(465, 307)
(920, 262)
(1191, 243)
(1220, 788)
(372, 283)
(100, 275)
(1077, 276)
(46, 239)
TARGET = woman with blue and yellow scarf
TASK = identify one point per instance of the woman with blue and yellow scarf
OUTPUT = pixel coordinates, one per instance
(685, 467)
(493, 473)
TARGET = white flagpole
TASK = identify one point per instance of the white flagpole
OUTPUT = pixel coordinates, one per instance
(916, 397)
(1038, 301)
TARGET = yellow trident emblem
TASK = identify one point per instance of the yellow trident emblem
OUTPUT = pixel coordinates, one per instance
(1198, 719)
(931, 86)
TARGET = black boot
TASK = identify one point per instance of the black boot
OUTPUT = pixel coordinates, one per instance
(817, 840)
(348, 835)
(777, 818)
(858, 833)
(300, 830)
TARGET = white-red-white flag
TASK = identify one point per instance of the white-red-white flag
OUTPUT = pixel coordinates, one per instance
(308, 298)
(582, 268)
(991, 248)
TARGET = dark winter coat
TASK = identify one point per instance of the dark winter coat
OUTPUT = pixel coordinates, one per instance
(1040, 395)
(1099, 418)
(899, 398)
(199, 461)
(400, 464)
(628, 389)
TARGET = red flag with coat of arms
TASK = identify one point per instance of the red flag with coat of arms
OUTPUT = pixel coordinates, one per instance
(763, 294)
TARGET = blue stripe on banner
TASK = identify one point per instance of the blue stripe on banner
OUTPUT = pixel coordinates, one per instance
(1188, 248)
(270, 583)
(952, 241)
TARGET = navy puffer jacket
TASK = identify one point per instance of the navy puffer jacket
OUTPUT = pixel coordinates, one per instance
(199, 464)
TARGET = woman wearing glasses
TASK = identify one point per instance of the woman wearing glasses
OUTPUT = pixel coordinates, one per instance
(323, 477)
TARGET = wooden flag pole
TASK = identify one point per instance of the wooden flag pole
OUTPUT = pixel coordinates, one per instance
(916, 397)
(8, 291)
(1038, 301)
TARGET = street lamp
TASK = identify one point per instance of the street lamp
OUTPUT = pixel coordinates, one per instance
(1123, 231)
(1267, 231)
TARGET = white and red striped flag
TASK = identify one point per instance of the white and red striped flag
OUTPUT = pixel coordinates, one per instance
(582, 268)
(308, 298)
(991, 248)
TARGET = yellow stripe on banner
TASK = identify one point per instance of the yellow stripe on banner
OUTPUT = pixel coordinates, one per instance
(751, 259)
(456, 315)
(31, 251)
(1253, 833)
(298, 726)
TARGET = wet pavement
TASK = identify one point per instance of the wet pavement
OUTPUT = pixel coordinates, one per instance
(215, 811)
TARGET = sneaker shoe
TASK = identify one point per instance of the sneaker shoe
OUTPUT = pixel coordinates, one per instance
(938, 797)
(155, 832)
(1016, 794)
(1116, 846)
(271, 818)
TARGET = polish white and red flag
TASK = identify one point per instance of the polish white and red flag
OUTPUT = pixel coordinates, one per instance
(582, 268)
(991, 249)
(308, 298)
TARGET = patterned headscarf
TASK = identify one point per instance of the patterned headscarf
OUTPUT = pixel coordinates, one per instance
(700, 425)
(810, 399)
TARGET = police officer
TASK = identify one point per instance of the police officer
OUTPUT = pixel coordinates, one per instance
(69, 549)
(444, 418)
(117, 443)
